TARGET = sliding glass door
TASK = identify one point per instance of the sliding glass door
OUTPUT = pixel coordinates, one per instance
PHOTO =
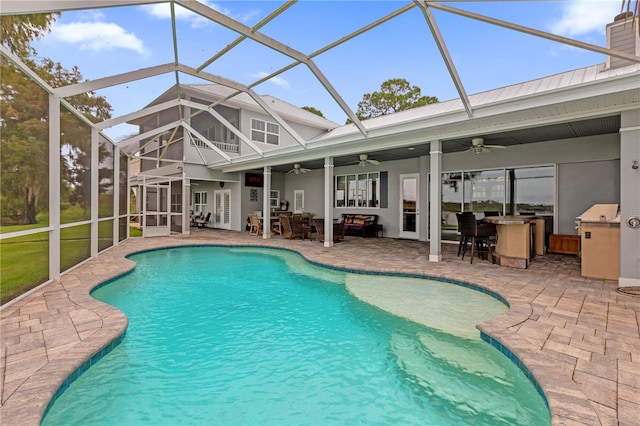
(510, 191)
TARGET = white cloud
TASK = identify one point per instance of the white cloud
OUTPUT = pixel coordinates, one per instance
(248, 17)
(580, 17)
(278, 81)
(163, 11)
(97, 36)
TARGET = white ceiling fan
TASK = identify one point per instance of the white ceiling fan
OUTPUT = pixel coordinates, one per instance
(297, 169)
(478, 147)
(364, 160)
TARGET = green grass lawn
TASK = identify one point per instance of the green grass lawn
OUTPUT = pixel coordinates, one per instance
(135, 232)
(24, 264)
(24, 261)
(75, 245)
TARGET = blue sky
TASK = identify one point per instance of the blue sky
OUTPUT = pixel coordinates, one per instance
(107, 41)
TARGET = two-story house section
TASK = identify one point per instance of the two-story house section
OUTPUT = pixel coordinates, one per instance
(191, 135)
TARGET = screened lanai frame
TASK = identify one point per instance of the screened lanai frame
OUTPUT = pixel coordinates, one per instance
(56, 229)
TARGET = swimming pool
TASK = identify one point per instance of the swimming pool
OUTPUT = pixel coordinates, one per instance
(257, 336)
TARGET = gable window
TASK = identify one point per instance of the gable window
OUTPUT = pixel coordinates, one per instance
(358, 190)
(265, 132)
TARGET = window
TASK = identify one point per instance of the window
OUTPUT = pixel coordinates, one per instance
(341, 191)
(484, 190)
(274, 199)
(358, 190)
(527, 189)
(265, 132)
(199, 202)
(298, 201)
(532, 189)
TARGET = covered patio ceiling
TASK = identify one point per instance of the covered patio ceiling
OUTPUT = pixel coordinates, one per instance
(183, 69)
(590, 127)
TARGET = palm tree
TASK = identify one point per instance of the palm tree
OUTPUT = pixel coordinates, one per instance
(629, 5)
(632, 6)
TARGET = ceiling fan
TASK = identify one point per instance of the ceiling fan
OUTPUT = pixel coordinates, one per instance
(478, 147)
(364, 160)
(297, 169)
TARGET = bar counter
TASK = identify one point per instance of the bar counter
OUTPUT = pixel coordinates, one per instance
(513, 241)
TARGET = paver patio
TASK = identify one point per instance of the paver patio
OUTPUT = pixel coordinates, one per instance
(579, 337)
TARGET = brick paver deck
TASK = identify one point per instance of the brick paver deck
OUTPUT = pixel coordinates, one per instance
(579, 337)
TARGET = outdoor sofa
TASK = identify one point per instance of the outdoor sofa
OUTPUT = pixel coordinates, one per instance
(359, 225)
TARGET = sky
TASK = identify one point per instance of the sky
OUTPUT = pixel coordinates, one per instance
(107, 41)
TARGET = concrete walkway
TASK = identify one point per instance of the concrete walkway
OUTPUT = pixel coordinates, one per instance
(579, 337)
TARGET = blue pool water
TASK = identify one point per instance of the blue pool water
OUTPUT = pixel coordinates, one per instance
(260, 337)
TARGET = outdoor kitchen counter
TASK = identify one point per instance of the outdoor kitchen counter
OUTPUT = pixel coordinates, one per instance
(513, 241)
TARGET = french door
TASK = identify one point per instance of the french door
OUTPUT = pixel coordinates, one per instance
(409, 202)
(222, 217)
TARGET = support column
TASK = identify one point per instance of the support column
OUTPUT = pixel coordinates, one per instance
(186, 194)
(95, 165)
(435, 198)
(266, 204)
(116, 195)
(629, 199)
(54, 187)
(328, 201)
(128, 198)
(423, 185)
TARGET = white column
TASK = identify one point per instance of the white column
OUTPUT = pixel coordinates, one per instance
(116, 195)
(629, 198)
(186, 193)
(186, 183)
(95, 194)
(328, 201)
(54, 187)
(423, 197)
(435, 210)
(266, 204)
(128, 197)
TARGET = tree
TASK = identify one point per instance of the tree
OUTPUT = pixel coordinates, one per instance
(17, 31)
(395, 95)
(24, 124)
(313, 110)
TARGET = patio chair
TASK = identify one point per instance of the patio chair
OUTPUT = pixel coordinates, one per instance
(480, 236)
(255, 225)
(276, 227)
(201, 222)
(464, 241)
(338, 230)
(306, 218)
(293, 229)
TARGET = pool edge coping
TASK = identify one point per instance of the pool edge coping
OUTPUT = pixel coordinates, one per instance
(554, 387)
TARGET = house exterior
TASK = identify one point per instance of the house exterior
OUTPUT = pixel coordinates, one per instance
(570, 141)
(179, 158)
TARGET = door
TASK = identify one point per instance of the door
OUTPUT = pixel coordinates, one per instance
(155, 217)
(409, 210)
(222, 217)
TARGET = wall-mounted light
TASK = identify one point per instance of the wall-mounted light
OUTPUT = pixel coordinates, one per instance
(635, 165)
